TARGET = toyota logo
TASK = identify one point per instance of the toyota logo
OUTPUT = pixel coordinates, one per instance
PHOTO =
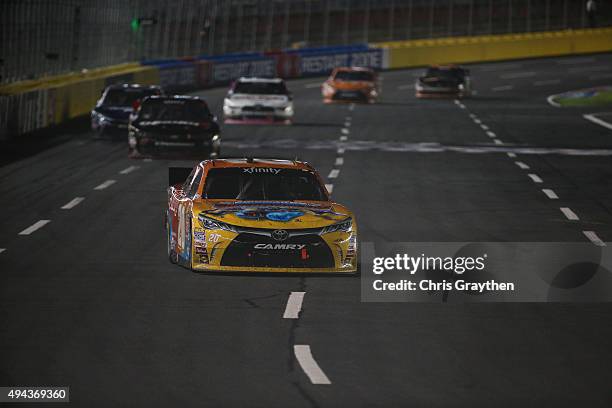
(280, 235)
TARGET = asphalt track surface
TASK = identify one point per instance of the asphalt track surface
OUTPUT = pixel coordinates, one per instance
(89, 299)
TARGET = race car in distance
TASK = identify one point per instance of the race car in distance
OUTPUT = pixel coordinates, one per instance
(113, 109)
(173, 126)
(351, 84)
(256, 100)
(257, 215)
(444, 81)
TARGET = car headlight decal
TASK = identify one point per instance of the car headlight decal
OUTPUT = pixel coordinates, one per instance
(210, 223)
(344, 226)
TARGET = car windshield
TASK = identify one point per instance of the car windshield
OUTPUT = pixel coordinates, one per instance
(354, 76)
(449, 74)
(260, 88)
(174, 110)
(126, 97)
(263, 183)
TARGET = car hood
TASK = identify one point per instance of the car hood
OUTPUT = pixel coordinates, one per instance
(115, 112)
(273, 214)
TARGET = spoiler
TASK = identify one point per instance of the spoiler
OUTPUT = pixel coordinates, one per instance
(178, 175)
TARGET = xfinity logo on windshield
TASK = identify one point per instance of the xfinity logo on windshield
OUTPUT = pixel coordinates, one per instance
(252, 170)
(280, 246)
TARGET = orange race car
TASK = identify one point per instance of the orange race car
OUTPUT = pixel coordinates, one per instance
(351, 84)
(257, 215)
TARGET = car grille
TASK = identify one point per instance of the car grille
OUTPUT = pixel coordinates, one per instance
(242, 252)
(258, 109)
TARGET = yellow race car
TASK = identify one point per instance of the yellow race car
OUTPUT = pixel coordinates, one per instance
(257, 215)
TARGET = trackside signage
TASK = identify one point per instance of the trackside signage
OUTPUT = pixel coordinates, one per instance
(460, 272)
(227, 71)
(320, 64)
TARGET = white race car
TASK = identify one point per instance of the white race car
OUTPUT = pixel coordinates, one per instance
(256, 100)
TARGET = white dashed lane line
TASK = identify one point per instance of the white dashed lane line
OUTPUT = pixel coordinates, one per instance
(343, 138)
(550, 194)
(294, 305)
(309, 365)
(148, 160)
(334, 173)
(104, 185)
(351, 107)
(128, 170)
(521, 165)
(340, 151)
(491, 134)
(510, 154)
(34, 227)
(497, 141)
(2, 250)
(330, 188)
(569, 214)
(72, 203)
(345, 131)
(598, 121)
(484, 127)
(592, 236)
(535, 178)
(339, 161)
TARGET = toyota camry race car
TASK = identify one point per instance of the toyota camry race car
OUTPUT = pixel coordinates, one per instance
(173, 126)
(117, 103)
(255, 100)
(259, 215)
(444, 81)
(350, 84)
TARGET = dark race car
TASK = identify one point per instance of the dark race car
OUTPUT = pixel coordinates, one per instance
(445, 81)
(112, 112)
(180, 126)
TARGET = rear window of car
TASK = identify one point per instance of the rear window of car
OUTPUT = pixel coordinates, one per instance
(263, 183)
(126, 97)
(174, 110)
(354, 76)
(260, 88)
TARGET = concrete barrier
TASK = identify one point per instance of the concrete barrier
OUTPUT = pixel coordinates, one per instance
(405, 54)
(27, 106)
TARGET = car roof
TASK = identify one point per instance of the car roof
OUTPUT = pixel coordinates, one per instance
(353, 69)
(261, 80)
(132, 86)
(256, 162)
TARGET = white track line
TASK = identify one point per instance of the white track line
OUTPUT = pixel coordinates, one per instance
(521, 165)
(294, 305)
(551, 100)
(345, 131)
(106, 184)
(313, 85)
(511, 155)
(502, 88)
(73, 203)
(600, 122)
(2, 250)
(148, 160)
(352, 107)
(330, 188)
(128, 170)
(516, 75)
(592, 236)
(343, 138)
(497, 141)
(309, 365)
(340, 151)
(339, 161)
(535, 178)
(477, 121)
(491, 134)
(569, 214)
(36, 226)
(473, 116)
(550, 194)
(484, 127)
(547, 82)
(334, 173)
